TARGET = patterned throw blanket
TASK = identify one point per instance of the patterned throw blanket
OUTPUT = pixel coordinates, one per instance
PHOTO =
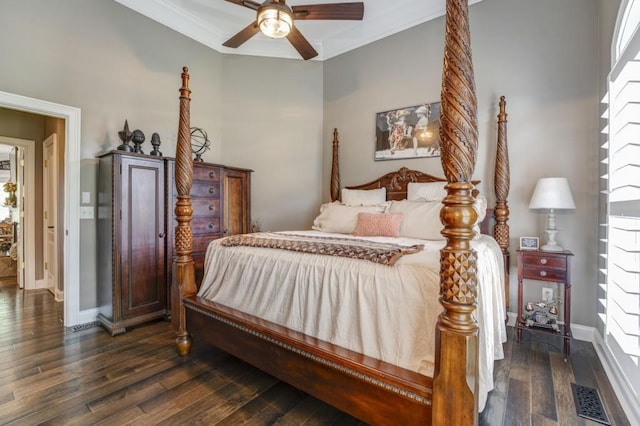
(383, 253)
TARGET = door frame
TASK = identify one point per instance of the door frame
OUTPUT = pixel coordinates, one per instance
(71, 116)
(29, 223)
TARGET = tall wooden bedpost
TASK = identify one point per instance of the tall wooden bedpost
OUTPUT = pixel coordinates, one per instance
(501, 186)
(184, 281)
(455, 381)
(335, 170)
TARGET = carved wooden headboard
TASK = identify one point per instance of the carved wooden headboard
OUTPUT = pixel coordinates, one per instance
(397, 182)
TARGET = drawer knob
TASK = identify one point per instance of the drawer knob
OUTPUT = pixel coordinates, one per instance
(211, 190)
(543, 273)
(212, 175)
(210, 225)
(543, 261)
(211, 208)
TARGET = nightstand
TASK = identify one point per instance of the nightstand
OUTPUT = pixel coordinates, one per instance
(551, 267)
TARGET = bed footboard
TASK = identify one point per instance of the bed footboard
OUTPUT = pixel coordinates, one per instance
(371, 390)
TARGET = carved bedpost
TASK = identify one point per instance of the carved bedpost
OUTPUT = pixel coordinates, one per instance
(184, 282)
(501, 187)
(335, 170)
(455, 381)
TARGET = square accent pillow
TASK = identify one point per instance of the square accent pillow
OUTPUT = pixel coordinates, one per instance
(364, 197)
(378, 225)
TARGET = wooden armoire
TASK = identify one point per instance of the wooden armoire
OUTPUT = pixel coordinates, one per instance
(136, 201)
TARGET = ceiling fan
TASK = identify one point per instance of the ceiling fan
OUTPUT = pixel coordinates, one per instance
(275, 19)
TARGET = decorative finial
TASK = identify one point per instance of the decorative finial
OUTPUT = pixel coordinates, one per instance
(125, 136)
(137, 139)
(155, 142)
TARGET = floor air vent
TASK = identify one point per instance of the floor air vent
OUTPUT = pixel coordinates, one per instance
(84, 326)
(588, 404)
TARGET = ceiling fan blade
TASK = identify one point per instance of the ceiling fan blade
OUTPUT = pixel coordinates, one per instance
(244, 35)
(246, 3)
(347, 11)
(301, 44)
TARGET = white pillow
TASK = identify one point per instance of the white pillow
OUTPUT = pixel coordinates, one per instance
(426, 191)
(421, 219)
(338, 218)
(480, 206)
(364, 197)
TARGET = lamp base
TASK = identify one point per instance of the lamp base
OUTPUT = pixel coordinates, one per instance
(551, 244)
(551, 247)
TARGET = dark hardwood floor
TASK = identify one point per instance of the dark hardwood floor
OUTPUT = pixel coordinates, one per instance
(53, 375)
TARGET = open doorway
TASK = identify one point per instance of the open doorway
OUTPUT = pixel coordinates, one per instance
(70, 200)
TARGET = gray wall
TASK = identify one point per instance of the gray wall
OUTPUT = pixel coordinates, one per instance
(272, 123)
(113, 64)
(543, 56)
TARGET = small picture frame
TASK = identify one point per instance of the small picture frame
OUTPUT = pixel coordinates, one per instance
(529, 243)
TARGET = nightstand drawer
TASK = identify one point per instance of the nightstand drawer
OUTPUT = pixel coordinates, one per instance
(543, 273)
(545, 261)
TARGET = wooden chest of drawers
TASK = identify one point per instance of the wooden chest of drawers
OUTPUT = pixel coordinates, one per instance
(220, 200)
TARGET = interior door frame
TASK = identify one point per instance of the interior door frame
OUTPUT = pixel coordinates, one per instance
(71, 247)
(28, 222)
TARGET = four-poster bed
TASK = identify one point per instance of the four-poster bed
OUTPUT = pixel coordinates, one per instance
(369, 388)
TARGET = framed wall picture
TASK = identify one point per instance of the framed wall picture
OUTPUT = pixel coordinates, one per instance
(529, 243)
(410, 132)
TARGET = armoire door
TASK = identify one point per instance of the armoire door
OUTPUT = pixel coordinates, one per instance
(143, 281)
(236, 201)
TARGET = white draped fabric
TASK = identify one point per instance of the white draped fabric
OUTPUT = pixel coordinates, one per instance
(385, 312)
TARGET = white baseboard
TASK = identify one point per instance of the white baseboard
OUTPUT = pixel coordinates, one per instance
(582, 332)
(621, 386)
(88, 315)
(59, 295)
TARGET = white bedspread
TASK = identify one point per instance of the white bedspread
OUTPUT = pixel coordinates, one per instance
(386, 312)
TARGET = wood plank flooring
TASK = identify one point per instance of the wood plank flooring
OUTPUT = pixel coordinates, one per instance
(52, 375)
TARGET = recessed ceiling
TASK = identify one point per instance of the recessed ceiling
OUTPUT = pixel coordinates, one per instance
(212, 22)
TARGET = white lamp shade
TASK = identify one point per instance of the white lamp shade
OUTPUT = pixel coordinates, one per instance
(552, 194)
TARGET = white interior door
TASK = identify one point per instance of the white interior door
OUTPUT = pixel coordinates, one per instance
(50, 199)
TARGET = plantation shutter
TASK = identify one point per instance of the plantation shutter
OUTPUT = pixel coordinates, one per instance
(620, 275)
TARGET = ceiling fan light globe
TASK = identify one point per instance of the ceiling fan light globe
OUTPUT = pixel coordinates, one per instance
(274, 22)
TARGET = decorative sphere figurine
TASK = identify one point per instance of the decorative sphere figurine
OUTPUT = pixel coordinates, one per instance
(200, 143)
(137, 139)
(125, 136)
(155, 142)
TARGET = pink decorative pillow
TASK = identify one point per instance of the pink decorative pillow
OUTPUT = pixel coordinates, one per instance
(378, 225)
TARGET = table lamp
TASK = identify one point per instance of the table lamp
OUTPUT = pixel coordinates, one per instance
(552, 194)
